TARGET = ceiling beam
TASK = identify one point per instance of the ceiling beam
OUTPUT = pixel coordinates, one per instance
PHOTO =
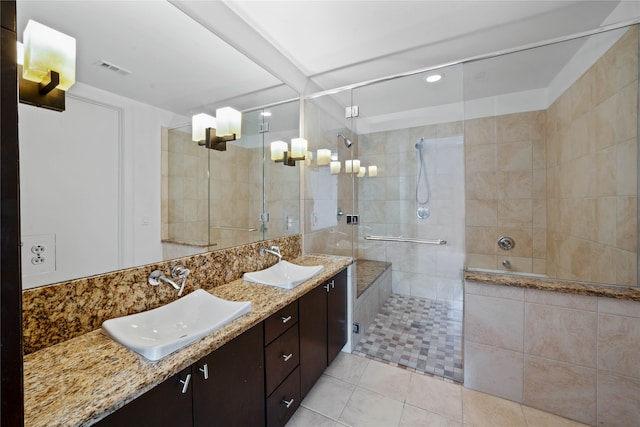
(221, 20)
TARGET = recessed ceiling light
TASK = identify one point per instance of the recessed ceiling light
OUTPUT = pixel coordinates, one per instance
(432, 78)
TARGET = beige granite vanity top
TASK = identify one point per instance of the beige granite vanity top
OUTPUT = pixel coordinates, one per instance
(555, 285)
(80, 381)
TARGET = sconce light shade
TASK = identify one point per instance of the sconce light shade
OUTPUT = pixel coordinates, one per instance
(298, 148)
(373, 170)
(45, 50)
(199, 124)
(352, 166)
(334, 167)
(362, 172)
(229, 122)
(278, 149)
(324, 156)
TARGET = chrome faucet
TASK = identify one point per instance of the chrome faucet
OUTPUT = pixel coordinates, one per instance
(177, 272)
(273, 250)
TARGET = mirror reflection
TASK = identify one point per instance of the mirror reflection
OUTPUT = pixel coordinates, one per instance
(217, 199)
(91, 176)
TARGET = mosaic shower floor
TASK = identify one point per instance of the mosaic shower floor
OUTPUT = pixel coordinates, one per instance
(419, 334)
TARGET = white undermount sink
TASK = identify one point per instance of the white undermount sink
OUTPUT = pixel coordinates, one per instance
(156, 333)
(283, 275)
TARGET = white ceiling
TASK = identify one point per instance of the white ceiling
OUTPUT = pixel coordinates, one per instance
(189, 56)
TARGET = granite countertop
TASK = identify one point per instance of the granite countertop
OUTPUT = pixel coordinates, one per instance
(555, 285)
(82, 380)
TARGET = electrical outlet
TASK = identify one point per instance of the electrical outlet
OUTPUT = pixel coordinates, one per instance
(353, 219)
(356, 327)
(38, 254)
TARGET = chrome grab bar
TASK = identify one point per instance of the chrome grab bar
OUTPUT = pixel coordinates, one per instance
(406, 239)
(226, 227)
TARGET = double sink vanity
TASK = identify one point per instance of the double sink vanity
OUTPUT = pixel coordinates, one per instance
(265, 348)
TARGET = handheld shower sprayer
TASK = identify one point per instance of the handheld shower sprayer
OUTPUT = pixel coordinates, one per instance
(347, 142)
(423, 211)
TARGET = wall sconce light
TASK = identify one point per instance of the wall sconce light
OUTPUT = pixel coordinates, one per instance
(352, 166)
(48, 66)
(373, 170)
(324, 157)
(214, 133)
(280, 151)
(334, 167)
(362, 172)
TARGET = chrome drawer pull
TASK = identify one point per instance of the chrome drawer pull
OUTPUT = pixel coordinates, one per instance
(185, 383)
(288, 403)
(286, 319)
(326, 287)
(287, 357)
(333, 284)
(205, 371)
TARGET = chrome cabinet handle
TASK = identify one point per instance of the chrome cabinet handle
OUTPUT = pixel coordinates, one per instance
(286, 357)
(185, 383)
(333, 284)
(286, 319)
(287, 403)
(205, 371)
(326, 287)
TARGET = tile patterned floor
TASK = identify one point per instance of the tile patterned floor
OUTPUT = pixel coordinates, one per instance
(419, 334)
(357, 391)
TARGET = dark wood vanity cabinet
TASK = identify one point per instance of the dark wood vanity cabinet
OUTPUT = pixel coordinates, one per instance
(323, 328)
(257, 379)
(228, 384)
(169, 403)
(282, 360)
(225, 388)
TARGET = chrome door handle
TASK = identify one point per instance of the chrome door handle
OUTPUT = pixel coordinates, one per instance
(287, 403)
(286, 319)
(205, 371)
(286, 357)
(185, 383)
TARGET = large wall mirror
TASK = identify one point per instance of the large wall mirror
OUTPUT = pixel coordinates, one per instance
(91, 186)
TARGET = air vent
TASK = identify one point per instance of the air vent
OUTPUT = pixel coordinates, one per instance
(112, 67)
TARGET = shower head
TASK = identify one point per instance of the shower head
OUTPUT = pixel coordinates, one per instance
(347, 142)
(420, 144)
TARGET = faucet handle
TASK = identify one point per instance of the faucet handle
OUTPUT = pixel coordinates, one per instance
(275, 248)
(179, 272)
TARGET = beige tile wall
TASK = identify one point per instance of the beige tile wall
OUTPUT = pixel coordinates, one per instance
(592, 156)
(506, 191)
(572, 355)
(561, 182)
(235, 180)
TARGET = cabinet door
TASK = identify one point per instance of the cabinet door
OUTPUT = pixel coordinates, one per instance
(165, 404)
(233, 393)
(336, 315)
(313, 337)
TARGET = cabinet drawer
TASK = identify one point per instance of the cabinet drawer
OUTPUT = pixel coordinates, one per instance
(279, 322)
(284, 401)
(281, 357)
